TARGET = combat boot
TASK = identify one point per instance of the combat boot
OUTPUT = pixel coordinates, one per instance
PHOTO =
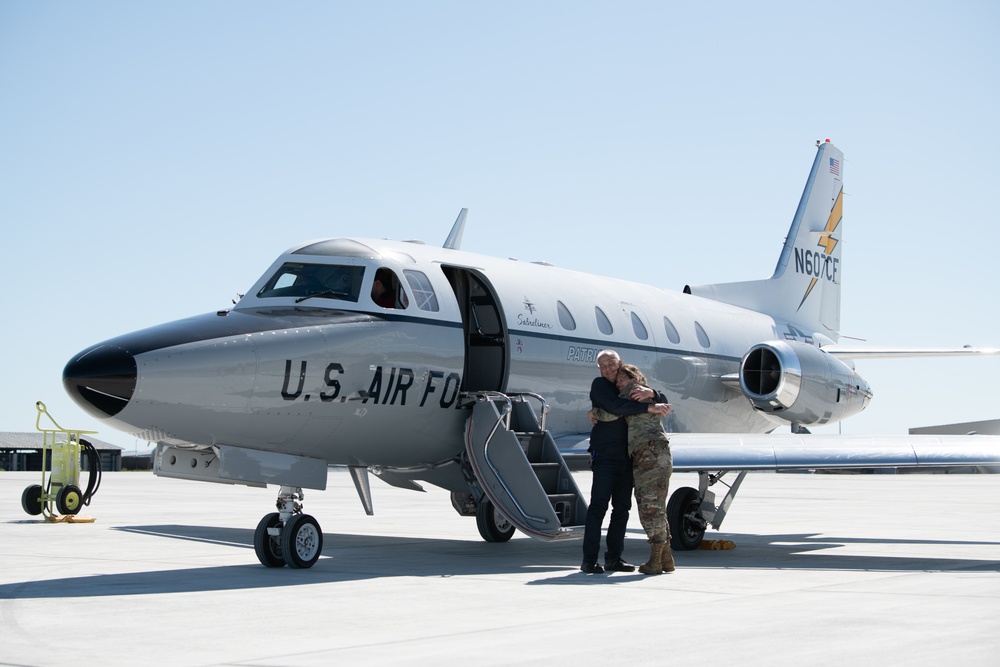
(667, 558)
(653, 566)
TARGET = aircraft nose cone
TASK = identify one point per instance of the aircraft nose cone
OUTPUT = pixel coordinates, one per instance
(101, 379)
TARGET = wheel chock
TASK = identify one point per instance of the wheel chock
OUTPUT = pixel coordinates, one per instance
(717, 545)
(69, 518)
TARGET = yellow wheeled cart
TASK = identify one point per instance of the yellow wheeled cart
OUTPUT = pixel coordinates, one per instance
(60, 488)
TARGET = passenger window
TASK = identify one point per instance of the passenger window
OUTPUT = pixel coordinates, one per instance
(702, 336)
(565, 317)
(671, 330)
(603, 323)
(387, 291)
(638, 327)
(423, 291)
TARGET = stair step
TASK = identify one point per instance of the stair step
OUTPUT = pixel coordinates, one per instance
(564, 504)
(532, 444)
(547, 474)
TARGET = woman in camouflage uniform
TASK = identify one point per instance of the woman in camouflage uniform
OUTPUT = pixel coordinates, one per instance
(649, 449)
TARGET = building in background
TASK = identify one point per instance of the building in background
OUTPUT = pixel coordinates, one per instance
(23, 451)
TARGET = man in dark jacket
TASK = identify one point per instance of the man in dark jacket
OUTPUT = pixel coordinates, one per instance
(611, 466)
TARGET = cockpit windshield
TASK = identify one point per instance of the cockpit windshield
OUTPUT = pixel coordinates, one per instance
(328, 281)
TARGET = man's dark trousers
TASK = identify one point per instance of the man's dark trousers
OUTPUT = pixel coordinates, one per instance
(612, 482)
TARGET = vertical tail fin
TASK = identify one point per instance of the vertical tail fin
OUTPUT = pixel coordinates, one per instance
(805, 288)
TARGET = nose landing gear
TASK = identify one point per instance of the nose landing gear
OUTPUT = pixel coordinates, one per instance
(288, 537)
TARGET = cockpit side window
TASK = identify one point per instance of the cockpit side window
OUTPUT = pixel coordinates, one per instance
(387, 291)
(326, 281)
(423, 291)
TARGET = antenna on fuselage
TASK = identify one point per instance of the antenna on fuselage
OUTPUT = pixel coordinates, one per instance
(454, 240)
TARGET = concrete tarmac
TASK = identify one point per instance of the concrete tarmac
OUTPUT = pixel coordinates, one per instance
(827, 570)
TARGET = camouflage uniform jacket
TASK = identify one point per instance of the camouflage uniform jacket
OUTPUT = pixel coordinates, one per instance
(642, 428)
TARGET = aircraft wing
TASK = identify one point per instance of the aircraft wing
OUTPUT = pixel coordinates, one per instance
(693, 452)
(725, 451)
(864, 352)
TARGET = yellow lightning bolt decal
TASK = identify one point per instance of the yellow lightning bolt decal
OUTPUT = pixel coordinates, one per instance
(826, 240)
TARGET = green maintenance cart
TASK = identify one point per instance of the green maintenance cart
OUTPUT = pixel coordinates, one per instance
(60, 488)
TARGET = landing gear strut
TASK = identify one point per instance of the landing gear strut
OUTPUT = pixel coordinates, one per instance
(288, 537)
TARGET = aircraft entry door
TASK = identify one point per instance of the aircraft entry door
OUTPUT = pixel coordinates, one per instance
(485, 331)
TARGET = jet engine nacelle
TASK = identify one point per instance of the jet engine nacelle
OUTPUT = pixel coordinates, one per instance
(791, 381)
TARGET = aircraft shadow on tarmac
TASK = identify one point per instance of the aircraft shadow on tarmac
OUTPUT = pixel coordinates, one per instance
(349, 557)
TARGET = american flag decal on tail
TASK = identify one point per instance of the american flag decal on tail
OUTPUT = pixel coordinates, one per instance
(835, 167)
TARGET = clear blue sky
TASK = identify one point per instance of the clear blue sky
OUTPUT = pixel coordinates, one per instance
(155, 157)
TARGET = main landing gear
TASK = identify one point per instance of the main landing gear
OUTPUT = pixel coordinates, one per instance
(492, 524)
(288, 537)
(691, 511)
(687, 525)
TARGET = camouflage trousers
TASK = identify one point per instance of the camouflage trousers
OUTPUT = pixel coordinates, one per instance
(651, 467)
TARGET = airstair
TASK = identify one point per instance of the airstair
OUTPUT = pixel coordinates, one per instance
(515, 465)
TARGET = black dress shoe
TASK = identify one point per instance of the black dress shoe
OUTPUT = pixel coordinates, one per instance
(591, 567)
(619, 566)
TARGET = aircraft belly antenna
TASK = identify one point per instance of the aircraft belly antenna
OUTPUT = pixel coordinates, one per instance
(454, 240)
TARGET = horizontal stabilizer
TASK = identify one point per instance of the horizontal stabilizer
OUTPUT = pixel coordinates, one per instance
(987, 427)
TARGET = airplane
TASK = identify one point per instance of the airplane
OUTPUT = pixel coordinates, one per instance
(417, 363)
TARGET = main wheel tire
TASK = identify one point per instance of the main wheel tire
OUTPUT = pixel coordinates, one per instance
(31, 500)
(686, 533)
(68, 499)
(301, 541)
(492, 524)
(268, 548)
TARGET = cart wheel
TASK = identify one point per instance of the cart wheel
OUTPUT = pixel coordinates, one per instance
(31, 500)
(69, 499)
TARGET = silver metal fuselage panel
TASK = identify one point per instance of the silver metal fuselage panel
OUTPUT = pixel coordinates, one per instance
(357, 385)
(346, 392)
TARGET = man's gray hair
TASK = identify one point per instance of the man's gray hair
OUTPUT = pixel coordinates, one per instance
(608, 353)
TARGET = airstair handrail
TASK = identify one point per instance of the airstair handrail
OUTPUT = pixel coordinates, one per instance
(541, 399)
(503, 417)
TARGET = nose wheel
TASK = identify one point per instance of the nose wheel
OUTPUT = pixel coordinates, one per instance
(268, 546)
(301, 541)
(288, 537)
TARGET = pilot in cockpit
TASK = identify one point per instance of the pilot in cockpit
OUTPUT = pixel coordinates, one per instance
(386, 290)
